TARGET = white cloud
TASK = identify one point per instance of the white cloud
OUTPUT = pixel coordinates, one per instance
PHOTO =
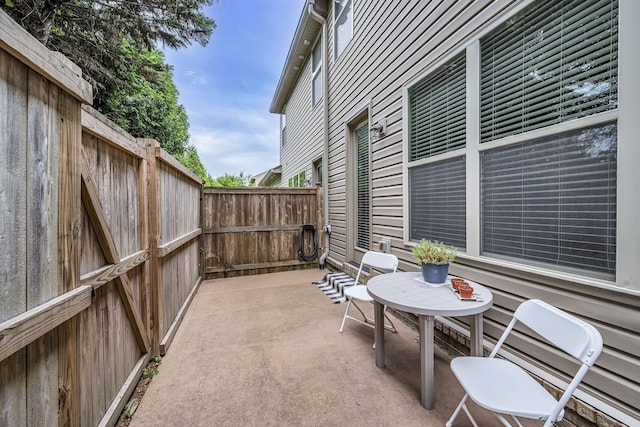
(196, 78)
(227, 86)
(240, 140)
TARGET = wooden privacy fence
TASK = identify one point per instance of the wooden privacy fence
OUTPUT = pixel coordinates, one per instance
(99, 251)
(101, 244)
(255, 230)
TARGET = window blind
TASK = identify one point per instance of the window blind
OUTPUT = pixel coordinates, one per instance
(437, 111)
(553, 201)
(553, 62)
(362, 182)
(437, 202)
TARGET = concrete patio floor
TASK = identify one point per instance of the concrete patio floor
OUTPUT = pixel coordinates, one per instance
(265, 351)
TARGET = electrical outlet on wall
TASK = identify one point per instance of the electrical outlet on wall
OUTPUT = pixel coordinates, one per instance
(385, 245)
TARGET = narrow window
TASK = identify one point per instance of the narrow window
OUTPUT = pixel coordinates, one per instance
(343, 24)
(317, 171)
(363, 213)
(316, 71)
(283, 128)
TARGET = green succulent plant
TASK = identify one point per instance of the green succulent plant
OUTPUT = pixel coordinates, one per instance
(433, 252)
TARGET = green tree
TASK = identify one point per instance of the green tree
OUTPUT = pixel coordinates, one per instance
(191, 160)
(115, 43)
(91, 32)
(147, 106)
(231, 181)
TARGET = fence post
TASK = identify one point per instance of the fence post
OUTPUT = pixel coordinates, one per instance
(155, 239)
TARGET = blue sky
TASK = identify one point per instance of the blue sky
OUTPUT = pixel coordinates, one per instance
(227, 86)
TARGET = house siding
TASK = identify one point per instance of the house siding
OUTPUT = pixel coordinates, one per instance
(393, 44)
(304, 130)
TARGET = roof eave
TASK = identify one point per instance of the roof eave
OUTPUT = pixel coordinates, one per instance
(307, 30)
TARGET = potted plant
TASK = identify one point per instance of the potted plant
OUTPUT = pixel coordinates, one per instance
(433, 258)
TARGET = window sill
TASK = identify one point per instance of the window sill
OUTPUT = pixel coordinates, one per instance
(539, 274)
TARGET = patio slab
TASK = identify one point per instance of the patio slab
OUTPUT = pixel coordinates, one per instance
(265, 351)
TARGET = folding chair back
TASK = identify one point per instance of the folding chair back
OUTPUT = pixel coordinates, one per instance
(378, 260)
(575, 337)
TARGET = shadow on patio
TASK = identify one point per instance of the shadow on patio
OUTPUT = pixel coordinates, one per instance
(265, 350)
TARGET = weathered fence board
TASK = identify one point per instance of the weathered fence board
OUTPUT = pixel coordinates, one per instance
(69, 209)
(13, 225)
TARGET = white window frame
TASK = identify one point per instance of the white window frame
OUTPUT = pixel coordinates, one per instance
(358, 114)
(628, 198)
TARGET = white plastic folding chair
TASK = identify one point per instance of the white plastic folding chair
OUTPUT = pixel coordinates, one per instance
(506, 389)
(377, 260)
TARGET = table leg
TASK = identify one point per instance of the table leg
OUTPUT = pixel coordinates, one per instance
(378, 311)
(426, 359)
(475, 328)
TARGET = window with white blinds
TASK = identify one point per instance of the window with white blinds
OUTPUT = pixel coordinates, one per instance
(437, 117)
(552, 62)
(437, 202)
(553, 200)
(437, 125)
(363, 213)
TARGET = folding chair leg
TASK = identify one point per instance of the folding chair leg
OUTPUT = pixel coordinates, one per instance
(366, 320)
(346, 312)
(391, 328)
(462, 406)
(504, 421)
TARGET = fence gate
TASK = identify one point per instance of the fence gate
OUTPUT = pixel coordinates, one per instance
(255, 230)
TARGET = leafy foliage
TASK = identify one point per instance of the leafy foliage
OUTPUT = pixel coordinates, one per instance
(91, 32)
(191, 160)
(231, 181)
(114, 42)
(148, 105)
(427, 251)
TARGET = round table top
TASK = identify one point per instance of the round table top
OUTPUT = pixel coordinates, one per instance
(408, 292)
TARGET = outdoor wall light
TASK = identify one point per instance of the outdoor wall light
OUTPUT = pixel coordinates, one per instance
(379, 129)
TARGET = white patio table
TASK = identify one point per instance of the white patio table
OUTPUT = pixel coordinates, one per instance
(407, 292)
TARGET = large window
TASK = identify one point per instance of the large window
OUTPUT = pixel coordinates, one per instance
(437, 117)
(316, 72)
(343, 24)
(544, 151)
